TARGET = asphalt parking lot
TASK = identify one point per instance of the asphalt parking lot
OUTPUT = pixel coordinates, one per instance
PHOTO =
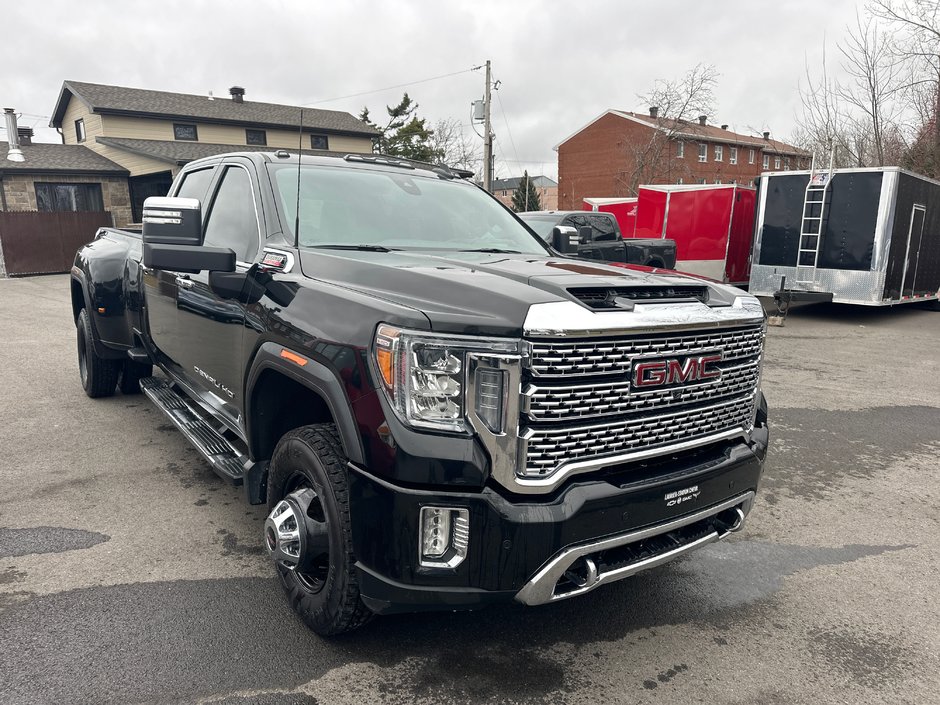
(130, 573)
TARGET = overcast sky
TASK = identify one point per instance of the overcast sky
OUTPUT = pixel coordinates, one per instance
(560, 64)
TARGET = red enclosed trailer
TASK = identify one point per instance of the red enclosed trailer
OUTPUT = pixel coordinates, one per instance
(713, 226)
(624, 210)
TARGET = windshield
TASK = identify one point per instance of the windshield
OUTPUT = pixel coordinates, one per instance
(541, 224)
(348, 207)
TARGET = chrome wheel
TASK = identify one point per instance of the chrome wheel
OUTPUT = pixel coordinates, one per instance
(296, 536)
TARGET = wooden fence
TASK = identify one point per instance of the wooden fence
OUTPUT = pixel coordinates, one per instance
(45, 243)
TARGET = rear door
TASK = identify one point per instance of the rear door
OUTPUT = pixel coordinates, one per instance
(914, 237)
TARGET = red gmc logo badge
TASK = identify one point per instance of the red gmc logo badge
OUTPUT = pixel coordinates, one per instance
(656, 373)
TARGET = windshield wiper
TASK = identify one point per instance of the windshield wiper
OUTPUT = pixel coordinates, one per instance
(497, 250)
(361, 248)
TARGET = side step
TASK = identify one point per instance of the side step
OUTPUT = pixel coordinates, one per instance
(225, 460)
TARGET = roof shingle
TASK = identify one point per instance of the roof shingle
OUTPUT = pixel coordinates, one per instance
(74, 158)
(183, 152)
(713, 133)
(117, 99)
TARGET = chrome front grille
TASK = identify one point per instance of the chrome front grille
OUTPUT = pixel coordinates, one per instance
(613, 356)
(599, 418)
(549, 448)
(554, 403)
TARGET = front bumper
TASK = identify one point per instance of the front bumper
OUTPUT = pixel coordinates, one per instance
(521, 547)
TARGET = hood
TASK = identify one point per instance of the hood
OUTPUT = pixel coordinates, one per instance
(486, 293)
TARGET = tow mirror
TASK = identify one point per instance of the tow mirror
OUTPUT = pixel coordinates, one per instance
(586, 233)
(172, 236)
(172, 221)
(565, 239)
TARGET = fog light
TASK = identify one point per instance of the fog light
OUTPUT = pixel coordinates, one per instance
(490, 398)
(445, 535)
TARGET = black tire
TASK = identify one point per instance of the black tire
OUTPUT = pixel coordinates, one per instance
(327, 601)
(99, 376)
(131, 374)
(657, 263)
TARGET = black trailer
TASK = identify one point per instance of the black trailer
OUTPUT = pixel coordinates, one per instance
(857, 236)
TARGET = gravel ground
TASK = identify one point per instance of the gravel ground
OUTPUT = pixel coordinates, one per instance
(130, 573)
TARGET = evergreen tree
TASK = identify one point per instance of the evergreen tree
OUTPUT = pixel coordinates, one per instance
(405, 135)
(526, 197)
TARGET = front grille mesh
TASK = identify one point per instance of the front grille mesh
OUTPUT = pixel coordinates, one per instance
(599, 415)
(548, 403)
(612, 356)
(548, 448)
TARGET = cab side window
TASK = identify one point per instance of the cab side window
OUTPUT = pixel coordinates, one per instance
(232, 220)
(196, 184)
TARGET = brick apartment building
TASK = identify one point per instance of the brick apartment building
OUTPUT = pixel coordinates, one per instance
(605, 157)
(546, 188)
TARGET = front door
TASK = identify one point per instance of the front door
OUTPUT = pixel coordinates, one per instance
(914, 236)
(210, 330)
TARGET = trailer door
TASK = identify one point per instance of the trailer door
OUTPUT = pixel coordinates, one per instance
(914, 236)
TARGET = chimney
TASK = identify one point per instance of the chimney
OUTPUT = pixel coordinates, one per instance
(724, 127)
(654, 111)
(702, 119)
(26, 135)
(237, 93)
(766, 135)
(14, 154)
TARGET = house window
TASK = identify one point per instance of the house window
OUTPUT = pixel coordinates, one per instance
(256, 137)
(680, 149)
(786, 164)
(719, 152)
(717, 181)
(185, 132)
(766, 161)
(777, 163)
(68, 197)
(750, 156)
(679, 181)
(702, 180)
(733, 155)
(80, 130)
(703, 152)
(319, 142)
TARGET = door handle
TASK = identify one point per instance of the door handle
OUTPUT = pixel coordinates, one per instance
(184, 282)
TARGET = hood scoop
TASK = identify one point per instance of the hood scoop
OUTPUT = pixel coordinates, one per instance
(624, 298)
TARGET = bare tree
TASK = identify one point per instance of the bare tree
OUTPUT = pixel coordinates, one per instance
(916, 25)
(824, 126)
(679, 102)
(859, 122)
(457, 150)
(875, 75)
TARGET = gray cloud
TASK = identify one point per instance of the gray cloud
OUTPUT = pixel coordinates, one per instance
(560, 64)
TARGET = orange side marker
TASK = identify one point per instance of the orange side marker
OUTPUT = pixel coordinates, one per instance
(293, 357)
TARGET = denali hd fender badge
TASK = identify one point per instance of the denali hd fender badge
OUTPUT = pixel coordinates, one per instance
(656, 373)
(682, 496)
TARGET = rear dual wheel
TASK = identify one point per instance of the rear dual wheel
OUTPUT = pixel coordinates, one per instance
(99, 376)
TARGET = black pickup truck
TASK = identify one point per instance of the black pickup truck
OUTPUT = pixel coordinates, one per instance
(439, 411)
(600, 238)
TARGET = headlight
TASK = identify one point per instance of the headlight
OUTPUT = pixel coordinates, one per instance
(425, 377)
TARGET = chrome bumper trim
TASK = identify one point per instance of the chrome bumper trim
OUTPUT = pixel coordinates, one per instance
(540, 589)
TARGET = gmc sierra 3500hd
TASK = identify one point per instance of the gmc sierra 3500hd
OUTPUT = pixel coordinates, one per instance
(439, 410)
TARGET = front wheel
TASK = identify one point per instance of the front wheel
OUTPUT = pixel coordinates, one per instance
(99, 376)
(307, 532)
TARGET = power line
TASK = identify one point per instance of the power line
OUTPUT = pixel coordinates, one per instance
(399, 85)
(508, 131)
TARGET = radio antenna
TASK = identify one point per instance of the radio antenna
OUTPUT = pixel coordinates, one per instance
(300, 149)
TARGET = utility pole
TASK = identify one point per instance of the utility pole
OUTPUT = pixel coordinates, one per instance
(487, 135)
